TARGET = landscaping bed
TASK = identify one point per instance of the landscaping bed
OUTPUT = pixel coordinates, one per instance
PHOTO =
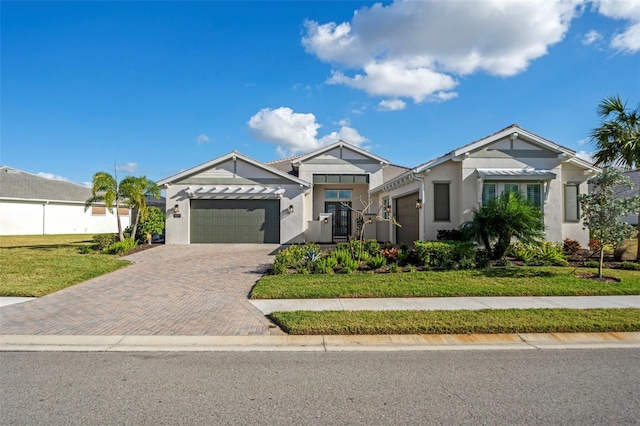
(509, 281)
(458, 322)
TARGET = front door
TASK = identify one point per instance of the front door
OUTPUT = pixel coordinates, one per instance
(341, 225)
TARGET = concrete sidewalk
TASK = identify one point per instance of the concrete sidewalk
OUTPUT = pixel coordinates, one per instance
(446, 303)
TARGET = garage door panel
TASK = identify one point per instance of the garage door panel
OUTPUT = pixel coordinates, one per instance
(235, 221)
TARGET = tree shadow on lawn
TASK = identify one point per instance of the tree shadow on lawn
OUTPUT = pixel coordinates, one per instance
(511, 272)
(51, 247)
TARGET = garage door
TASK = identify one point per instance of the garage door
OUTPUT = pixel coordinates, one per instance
(409, 217)
(235, 221)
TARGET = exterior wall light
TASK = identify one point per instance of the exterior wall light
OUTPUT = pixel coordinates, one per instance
(370, 220)
(326, 220)
(418, 203)
(388, 209)
(176, 209)
(291, 209)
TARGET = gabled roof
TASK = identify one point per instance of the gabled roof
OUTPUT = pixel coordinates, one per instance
(338, 144)
(17, 184)
(522, 134)
(230, 156)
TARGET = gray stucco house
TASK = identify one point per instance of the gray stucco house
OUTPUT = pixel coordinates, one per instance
(236, 199)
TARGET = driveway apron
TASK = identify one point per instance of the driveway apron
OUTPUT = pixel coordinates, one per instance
(188, 290)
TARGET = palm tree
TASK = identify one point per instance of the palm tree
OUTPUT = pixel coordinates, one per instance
(506, 217)
(617, 140)
(105, 189)
(135, 190)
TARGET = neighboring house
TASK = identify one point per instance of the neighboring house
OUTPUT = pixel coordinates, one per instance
(31, 205)
(236, 199)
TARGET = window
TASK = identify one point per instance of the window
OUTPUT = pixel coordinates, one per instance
(385, 207)
(571, 204)
(98, 210)
(123, 211)
(441, 202)
(337, 194)
(511, 187)
(488, 193)
(534, 194)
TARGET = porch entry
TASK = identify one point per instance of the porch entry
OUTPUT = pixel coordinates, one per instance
(341, 220)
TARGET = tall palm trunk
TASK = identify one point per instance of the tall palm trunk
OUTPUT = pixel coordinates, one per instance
(120, 233)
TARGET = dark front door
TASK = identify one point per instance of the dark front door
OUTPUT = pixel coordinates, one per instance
(341, 227)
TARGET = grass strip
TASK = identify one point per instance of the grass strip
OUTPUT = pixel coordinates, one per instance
(42, 264)
(516, 281)
(458, 322)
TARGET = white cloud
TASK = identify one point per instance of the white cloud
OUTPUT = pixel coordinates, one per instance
(202, 138)
(583, 141)
(585, 155)
(392, 105)
(399, 51)
(627, 41)
(130, 167)
(591, 37)
(296, 132)
(51, 176)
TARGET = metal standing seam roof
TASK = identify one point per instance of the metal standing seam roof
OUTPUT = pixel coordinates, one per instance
(17, 184)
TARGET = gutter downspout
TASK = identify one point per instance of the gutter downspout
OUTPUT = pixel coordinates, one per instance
(44, 216)
(421, 223)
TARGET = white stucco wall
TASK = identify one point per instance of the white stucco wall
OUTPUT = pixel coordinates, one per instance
(38, 218)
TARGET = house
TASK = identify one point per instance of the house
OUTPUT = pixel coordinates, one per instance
(443, 193)
(312, 197)
(33, 205)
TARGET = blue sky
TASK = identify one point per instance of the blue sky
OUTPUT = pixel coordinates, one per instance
(158, 87)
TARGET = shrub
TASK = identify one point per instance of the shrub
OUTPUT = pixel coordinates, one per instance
(482, 258)
(591, 264)
(631, 266)
(449, 235)
(394, 267)
(594, 244)
(325, 265)
(342, 256)
(391, 254)
(410, 268)
(292, 257)
(372, 247)
(377, 261)
(350, 265)
(140, 236)
(552, 252)
(408, 257)
(121, 247)
(571, 247)
(545, 253)
(446, 254)
(102, 241)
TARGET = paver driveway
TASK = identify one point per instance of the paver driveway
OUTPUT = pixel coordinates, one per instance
(170, 290)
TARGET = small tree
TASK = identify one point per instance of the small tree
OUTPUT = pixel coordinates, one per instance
(602, 212)
(154, 223)
(362, 220)
(136, 189)
(506, 217)
(105, 189)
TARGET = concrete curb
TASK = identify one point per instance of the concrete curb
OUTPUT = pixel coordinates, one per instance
(423, 342)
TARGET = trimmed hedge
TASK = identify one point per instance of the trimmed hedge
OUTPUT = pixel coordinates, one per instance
(446, 254)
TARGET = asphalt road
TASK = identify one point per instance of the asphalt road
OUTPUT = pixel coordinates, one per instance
(600, 386)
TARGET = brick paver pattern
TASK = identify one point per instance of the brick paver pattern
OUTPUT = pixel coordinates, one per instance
(188, 290)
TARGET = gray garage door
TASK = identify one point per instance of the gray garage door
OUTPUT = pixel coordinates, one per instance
(235, 221)
(409, 217)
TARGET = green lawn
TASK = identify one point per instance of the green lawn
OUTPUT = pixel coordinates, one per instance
(458, 322)
(36, 265)
(517, 281)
